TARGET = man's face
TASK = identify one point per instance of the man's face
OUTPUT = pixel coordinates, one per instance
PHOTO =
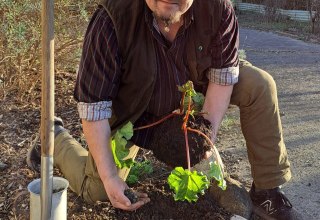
(169, 10)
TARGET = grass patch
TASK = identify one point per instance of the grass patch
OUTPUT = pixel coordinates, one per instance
(227, 122)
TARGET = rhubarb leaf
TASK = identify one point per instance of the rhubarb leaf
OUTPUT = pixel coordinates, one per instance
(198, 101)
(197, 98)
(118, 146)
(127, 131)
(187, 88)
(187, 185)
(216, 173)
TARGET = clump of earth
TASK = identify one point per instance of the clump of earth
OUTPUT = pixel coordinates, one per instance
(169, 145)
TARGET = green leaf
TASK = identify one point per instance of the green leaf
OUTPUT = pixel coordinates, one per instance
(138, 170)
(132, 179)
(188, 89)
(128, 162)
(118, 146)
(198, 101)
(216, 173)
(197, 98)
(127, 131)
(186, 184)
(118, 153)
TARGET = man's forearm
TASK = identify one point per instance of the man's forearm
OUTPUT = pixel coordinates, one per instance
(98, 137)
(216, 104)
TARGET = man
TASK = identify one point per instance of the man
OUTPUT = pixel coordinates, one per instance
(135, 53)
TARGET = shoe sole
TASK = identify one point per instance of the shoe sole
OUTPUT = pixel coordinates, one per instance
(30, 158)
(261, 213)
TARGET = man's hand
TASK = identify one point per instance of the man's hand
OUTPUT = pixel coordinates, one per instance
(98, 135)
(115, 187)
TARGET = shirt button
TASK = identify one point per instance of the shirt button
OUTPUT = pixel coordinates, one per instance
(200, 48)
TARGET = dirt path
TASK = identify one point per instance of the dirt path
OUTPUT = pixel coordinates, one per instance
(295, 65)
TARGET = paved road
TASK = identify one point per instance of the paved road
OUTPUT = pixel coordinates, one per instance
(295, 65)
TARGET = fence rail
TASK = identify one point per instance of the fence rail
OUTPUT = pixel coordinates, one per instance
(298, 15)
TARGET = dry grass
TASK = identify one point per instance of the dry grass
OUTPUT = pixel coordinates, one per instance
(20, 45)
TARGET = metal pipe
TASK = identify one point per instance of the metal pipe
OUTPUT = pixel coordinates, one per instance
(47, 185)
(47, 107)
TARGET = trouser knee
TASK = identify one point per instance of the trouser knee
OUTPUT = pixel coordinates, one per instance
(255, 86)
(93, 191)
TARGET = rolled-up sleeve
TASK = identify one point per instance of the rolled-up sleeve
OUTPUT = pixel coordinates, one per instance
(225, 60)
(95, 111)
(99, 69)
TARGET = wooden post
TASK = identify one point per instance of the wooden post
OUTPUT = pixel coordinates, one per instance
(47, 107)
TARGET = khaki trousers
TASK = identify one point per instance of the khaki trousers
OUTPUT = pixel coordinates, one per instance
(256, 96)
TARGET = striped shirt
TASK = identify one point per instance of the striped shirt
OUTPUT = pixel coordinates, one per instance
(100, 68)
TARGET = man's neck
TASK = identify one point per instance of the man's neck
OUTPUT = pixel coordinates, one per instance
(169, 30)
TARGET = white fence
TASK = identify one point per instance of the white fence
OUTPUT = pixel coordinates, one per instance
(298, 15)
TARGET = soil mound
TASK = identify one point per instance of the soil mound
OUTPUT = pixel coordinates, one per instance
(169, 146)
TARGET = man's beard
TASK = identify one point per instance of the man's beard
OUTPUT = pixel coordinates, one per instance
(171, 19)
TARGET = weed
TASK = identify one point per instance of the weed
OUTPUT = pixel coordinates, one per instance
(138, 171)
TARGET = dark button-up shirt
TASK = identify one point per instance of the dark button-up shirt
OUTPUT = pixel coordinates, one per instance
(100, 67)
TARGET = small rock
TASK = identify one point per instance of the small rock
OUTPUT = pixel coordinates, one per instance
(3, 166)
(237, 217)
(10, 185)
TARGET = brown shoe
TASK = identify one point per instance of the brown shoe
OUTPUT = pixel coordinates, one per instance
(272, 204)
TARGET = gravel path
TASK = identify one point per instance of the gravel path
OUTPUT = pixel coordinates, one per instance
(295, 65)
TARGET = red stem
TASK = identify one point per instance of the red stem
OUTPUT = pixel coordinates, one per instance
(182, 102)
(157, 122)
(216, 153)
(187, 147)
(185, 130)
(166, 117)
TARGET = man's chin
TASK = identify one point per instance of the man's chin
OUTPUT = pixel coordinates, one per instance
(169, 17)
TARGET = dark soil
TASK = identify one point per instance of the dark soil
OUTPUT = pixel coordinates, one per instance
(162, 205)
(57, 190)
(129, 193)
(169, 144)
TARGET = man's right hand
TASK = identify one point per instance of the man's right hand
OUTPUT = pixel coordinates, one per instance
(115, 187)
(98, 135)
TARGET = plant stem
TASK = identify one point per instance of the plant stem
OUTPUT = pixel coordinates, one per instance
(157, 122)
(187, 147)
(182, 101)
(185, 130)
(215, 151)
